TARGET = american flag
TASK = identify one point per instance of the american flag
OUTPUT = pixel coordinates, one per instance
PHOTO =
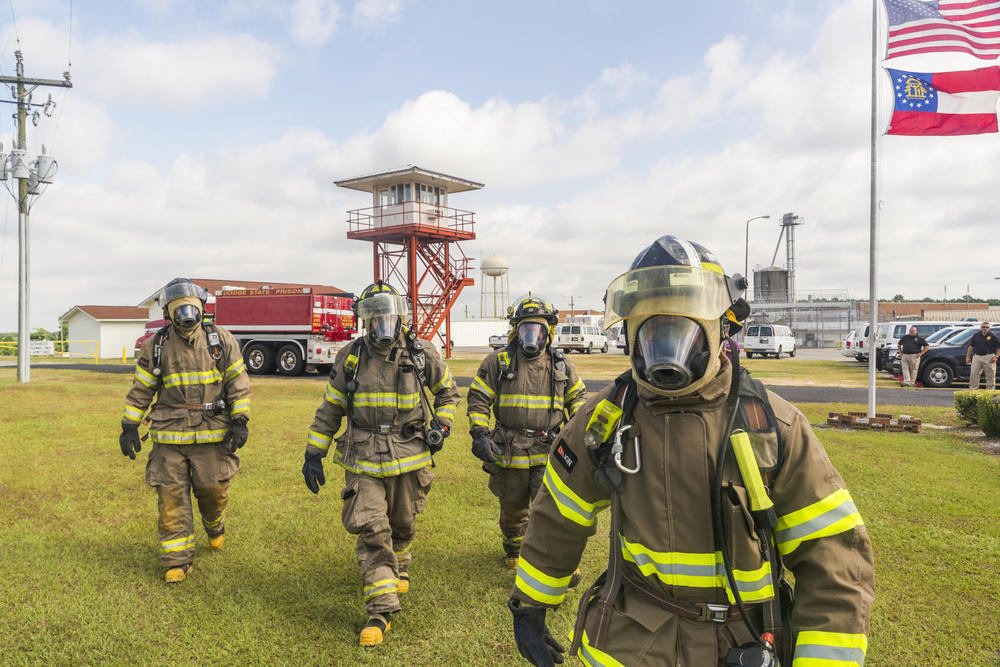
(972, 26)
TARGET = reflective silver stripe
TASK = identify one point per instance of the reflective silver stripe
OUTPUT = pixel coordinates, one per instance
(483, 388)
(844, 654)
(828, 518)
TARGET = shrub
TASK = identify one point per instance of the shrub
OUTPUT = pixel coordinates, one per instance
(967, 405)
(988, 413)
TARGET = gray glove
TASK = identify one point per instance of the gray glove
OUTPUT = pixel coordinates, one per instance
(483, 446)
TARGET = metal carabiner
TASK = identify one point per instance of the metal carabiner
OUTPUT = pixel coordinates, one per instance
(616, 451)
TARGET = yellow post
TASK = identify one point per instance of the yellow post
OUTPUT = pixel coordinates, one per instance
(97, 350)
(123, 354)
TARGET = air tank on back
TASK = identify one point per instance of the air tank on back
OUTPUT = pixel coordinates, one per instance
(770, 285)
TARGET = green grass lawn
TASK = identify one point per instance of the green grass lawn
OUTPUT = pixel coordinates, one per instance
(81, 581)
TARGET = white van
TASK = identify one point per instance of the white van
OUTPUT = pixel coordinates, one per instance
(847, 344)
(769, 339)
(581, 337)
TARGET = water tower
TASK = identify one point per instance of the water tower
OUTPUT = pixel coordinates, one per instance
(494, 267)
(414, 236)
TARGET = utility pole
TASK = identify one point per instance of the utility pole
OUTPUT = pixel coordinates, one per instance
(22, 172)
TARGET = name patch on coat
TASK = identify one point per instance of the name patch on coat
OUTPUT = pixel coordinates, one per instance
(143, 362)
(565, 456)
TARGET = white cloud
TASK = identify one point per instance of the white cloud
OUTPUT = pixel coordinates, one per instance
(312, 22)
(372, 13)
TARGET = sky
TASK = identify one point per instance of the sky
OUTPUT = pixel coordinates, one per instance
(203, 139)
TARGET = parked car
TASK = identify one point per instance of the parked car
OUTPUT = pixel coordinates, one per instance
(887, 335)
(892, 364)
(581, 337)
(498, 341)
(769, 340)
(861, 342)
(621, 339)
(846, 344)
(944, 363)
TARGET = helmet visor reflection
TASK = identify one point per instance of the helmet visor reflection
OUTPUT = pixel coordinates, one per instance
(532, 336)
(381, 304)
(674, 351)
(687, 291)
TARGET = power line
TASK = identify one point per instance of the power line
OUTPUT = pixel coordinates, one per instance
(13, 18)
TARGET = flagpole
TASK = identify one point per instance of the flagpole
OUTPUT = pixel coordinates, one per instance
(873, 248)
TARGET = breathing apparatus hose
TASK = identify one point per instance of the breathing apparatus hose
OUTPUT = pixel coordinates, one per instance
(717, 524)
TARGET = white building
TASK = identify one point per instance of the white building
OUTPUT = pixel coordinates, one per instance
(104, 330)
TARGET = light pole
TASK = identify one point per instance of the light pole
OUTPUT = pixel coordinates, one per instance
(746, 247)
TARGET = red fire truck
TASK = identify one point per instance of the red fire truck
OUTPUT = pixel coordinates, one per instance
(283, 329)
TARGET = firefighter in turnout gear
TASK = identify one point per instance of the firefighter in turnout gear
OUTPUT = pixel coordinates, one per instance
(386, 450)
(193, 376)
(714, 484)
(531, 388)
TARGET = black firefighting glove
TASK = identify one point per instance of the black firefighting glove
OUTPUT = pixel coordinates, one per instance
(129, 440)
(483, 446)
(534, 641)
(237, 434)
(312, 471)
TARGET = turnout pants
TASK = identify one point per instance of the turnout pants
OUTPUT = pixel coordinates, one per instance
(177, 470)
(382, 511)
(983, 363)
(515, 488)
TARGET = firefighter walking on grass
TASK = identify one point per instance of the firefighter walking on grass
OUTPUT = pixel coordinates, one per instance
(195, 373)
(378, 383)
(531, 388)
(714, 484)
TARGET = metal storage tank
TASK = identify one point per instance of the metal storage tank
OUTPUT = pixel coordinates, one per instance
(770, 285)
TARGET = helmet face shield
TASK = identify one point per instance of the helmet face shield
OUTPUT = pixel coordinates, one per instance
(186, 316)
(179, 288)
(688, 291)
(672, 351)
(385, 303)
(383, 329)
(531, 336)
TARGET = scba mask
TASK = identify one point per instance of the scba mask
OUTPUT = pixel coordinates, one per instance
(532, 337)
(186, 316)
(383, 329)
(671, 352)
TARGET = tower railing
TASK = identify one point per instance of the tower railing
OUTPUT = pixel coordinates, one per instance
(410, 213)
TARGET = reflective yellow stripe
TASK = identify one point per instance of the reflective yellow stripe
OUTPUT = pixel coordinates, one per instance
(592, 656)
(319, 440)
(380, 588)
(334, 396)
(534, 401)
(833, 515)
(445, 411)
(479, 385)
(388, 468)
(444, 382)
(539, 586)
(240, 405)
(479, 419)
(214, 523)
(570, 505)
(235, 369)
(145, 377)
(192, 378)
(386, 399)
(405, 550)
(699, 570)
(816, 648)
(180, 544)
(523, 462)
(133, 414)
(574, 390)
(187, 437)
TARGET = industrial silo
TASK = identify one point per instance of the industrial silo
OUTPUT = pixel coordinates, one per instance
(770, 285)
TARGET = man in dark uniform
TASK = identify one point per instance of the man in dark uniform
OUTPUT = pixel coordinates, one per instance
(982, 354)
(911, 348)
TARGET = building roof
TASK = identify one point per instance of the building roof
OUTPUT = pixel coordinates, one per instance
(369, 182)
(213, 285)
(891, 310)
(104, 313)
(979, 314)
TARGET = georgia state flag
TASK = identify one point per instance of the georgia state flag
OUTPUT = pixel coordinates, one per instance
(944, 103)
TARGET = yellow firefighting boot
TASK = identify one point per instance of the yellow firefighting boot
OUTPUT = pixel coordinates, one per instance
(374, 630)
(404, 583)
(217, 541)
(510, 559)
(177, 574)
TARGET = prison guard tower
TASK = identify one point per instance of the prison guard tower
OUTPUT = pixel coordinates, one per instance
(415, 239)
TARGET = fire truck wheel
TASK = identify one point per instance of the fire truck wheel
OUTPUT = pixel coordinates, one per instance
(259, 358)
(290, 361)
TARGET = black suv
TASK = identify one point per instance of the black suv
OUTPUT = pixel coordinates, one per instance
(944, 363)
